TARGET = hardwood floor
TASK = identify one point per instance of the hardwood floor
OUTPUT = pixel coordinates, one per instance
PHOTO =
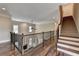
(5, 50)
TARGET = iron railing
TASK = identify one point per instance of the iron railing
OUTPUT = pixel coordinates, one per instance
(25, 42)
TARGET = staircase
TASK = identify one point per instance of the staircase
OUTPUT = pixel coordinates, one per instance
(68, 46)
(68, 42)
(69, 27)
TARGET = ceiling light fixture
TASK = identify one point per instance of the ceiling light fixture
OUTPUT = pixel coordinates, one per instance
(3, 8)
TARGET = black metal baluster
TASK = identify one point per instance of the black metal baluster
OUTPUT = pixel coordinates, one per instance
(43, 39)
(22, 50)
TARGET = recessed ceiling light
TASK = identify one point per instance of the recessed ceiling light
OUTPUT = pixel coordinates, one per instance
(53, 17)
(3, 8)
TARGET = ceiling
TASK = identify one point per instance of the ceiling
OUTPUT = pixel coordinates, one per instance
(38, 12)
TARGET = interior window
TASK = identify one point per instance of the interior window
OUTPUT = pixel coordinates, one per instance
(15, 28)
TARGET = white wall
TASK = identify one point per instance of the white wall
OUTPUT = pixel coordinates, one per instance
(5, 29)
(49, 25)
(76, 15)
(5, 26)
(23, 27)
(45, 27)
(67, 9)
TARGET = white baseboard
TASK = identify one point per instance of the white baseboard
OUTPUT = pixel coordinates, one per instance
(4, 41)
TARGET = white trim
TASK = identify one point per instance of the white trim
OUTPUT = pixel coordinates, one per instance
(4, 41)
(69, 42)
(67, 52)
(68, 46)
(22, 20)
(69, 38)
(5, 15)
(29, 21)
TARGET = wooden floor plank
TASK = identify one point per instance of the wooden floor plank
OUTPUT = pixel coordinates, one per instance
(5, 50)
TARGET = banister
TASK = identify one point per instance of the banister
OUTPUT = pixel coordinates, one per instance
(60, 23)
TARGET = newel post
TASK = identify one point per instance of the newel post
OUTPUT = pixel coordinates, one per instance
(43, 39)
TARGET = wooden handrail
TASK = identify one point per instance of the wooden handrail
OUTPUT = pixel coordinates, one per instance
(60, 23)
(31, 34)
(37, 33)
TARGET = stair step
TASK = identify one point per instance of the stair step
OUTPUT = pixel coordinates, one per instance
(67, 52)
(69, 38)
(68, 49)
(68, 46)
(69, 42)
